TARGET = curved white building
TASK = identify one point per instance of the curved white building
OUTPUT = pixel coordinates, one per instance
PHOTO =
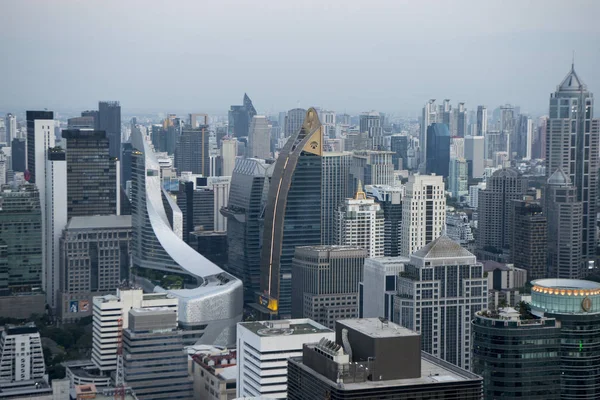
(211, 300)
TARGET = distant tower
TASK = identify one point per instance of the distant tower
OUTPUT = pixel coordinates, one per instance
(109, 120)
(293, 121)
(334, 190)
(192, 152)
(240, 117)
(259, 138)
(370, 122)
(438, 149)
(482, 121)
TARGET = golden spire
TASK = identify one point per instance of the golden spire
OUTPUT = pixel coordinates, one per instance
(360, 195)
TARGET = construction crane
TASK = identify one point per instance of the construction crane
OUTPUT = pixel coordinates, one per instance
(119, 375)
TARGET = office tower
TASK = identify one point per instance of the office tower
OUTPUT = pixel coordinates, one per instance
(94, 260)
(441, 288)
(575, 304)
(458, 178)
(229, 149)
(22, 372)
(192, 152)
(503, 348)
(370, 122)
(529, 246)
(81, 123)
(247, 198)
(378, 287)
(507, 128)
(371, 168)
(356, 141)
(93, 114)
(475, 155)
(259, 138)
(429, 116)
(327, 118)
(325, 285)
(157, 247)
(564, 212)
(211, 244)
(56, 221)
(572, 145)
(110, 311)
(93, 176)
(154, 362)
(272, 343)
(390, 200)
(197, 208)
(334, 190)
(482, 121)
(19, 155)
(496, 141)
(399, 147)
(505, 282)
(423, 212)
(523, 137)
(438, 149)
(10, 126)
(495, 211)
(220, 186)
(445, 115)
(240, 117)
(109, 121)
(457, 147)
(294, 120)
(196, 120)
(3, 166)
(359, 222)
(362, 362)
(291, 216)
(539, 142)
(126, 150)
(460, 116)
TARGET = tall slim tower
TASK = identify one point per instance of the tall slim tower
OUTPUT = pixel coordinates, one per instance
(292, 214)
(572, 145)
(482, 120)
(192, 151)
(429, 117)
(259, 138)
(370, 122)
(10, 124)
(334, 190)
(109, 120)
(294, 120)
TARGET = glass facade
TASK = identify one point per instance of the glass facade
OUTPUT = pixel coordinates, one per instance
(438, 150)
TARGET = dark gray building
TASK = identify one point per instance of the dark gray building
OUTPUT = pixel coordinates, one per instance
(126, 150)
(19, 155)
(437, 156)
(373, 359)
(32, 146)
(240, 118)
(399, 146)
(372, 124)
(529, 246)
(92, 174)
(192, 152)
(154, 361)
(325, 284)
(109, 120)
(197, 208)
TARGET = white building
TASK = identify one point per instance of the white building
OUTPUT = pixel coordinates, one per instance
(474, 194)
(263, 349)
(56, 222)
(229, 150)
(458, 228)
(359, 222)
(423, 212)
(107, 312)
(475, 155)
(259, 138)
(10, 125)
(21, 355)
(378, 288)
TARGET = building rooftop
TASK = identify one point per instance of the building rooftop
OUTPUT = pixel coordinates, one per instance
(376, 327)
(330, 248)
(302, 326)
(442, 247)
(100, 222)
(566, 284)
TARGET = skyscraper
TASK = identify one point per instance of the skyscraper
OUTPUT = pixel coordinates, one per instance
(192, 152)
(10, 125)
(359, 222)
(475, 155)
(240, 117)
(19, 155)
(294, 120)
(523, 137)
(292, 216)
(529, 246)
(441, 288)
(334, 190)
(423, 212)
(40, 137)
(458, 178)
(197, 208)
(370, 122)
(390, 200)
(93, 175)
(507, 127)
(482, 121)
(460, 115)
(109, 120)
(325, 285)
(229, 149)
(572, 145)
(429, 117)
(371, 167)
(399, 145)
(259, 138)
(438, 149)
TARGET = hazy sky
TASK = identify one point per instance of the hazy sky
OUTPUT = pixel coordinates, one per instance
(352, 55)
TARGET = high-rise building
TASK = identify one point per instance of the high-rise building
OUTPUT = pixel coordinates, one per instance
(93, 175)
(197, 208)
(575, 304)
(325, 285)
(294, 120)
(507, 127)
(378, 287)
(458, 178)
(334, 190)
(259, 138)
(264, 349)
(93, 114)
(460, 123)
(423, 212)
(429, 117)
(572, 145)
(495, 211)
(564, 212)
(247, 198)
(505, 344)
(240, 117)
(371, 168)
(109, 120)
(539, 141)
(10, 126)
(193, 152)
(362, 363)
(229, 149)
(441, 288)
(523, 137)
(371, 122)
(155, 371)
(81, 123)
(475, 155)
(212, 300)
(482, 121)
(390, 200)
(399, 145)
(95, 254)
(529, 246)
(18, 155)
(290, 219)
(56, 221)
(126, 150)
(359, 222)
(438, 149)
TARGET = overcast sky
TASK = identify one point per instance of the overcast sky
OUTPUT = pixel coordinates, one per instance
(346, 55)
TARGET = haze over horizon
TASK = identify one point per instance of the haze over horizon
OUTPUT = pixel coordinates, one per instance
(391, 56)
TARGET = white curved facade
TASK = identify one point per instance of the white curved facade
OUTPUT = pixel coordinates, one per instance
(215, 303)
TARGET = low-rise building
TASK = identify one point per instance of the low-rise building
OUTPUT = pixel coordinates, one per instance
(214, 371)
